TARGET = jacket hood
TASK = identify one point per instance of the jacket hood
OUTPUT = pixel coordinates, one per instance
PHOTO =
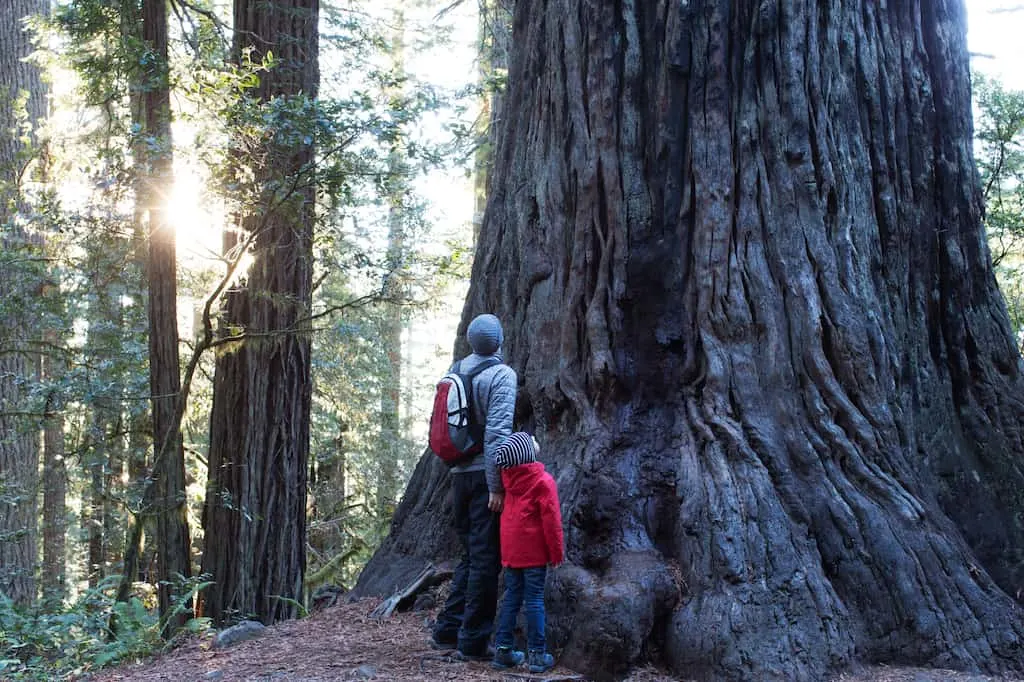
(520, 479)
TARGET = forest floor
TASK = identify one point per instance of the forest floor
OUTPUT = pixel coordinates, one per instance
(345, 643)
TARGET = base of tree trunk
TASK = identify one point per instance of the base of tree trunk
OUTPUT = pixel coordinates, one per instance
(427, 577)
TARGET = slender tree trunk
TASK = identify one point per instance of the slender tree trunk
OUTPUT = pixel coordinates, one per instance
(113, 518)
(395, 293)
(92, 510)
(104, 431)
(155, 180)
(327, 536)
(54, 569)
(337, 478)
(390, 448)
(139, 562)
(259, 425)
(140, 542)
(737, 250)
(21, 93)
(104, 450)
(495, 38)
(54, 506)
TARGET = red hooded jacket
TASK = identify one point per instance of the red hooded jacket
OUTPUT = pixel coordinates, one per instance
(531, 521)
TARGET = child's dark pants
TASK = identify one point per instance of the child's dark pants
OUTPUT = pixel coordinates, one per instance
(524, 587)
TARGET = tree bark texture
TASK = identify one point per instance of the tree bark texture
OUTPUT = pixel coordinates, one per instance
(22, 103)
(495, 31)
(396, 294)
(55, 485)
(21, 88)
(255, 512)
(139, 562)
(737, 250)
(155, 180)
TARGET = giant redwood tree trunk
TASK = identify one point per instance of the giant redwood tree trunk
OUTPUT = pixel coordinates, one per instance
(737, 250)
(254, 518)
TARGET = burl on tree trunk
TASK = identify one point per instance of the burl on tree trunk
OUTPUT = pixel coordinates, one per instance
(738, 252)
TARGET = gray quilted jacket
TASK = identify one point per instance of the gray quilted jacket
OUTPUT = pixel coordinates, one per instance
(494, 404)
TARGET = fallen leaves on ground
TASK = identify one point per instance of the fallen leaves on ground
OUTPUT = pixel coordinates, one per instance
(345, 643)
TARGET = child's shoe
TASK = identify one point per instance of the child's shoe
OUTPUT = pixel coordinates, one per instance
(507, 657)
(541, 662)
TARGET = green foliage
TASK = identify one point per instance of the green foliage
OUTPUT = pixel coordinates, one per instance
(299, 608)
(63, 644)
(999, 132)
(999, 138)
(382, 264)
(377, 132)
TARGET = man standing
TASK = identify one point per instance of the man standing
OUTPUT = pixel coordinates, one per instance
(467, 619)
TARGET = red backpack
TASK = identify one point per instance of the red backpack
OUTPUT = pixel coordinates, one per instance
(455, 434)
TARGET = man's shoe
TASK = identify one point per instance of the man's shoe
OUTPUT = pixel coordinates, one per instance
(485, 654)
(541, 662)
(441, 644)
(507, 657)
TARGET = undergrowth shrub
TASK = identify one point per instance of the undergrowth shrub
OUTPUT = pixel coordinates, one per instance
(37, 644)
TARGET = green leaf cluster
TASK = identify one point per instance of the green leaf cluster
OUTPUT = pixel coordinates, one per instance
(999, 153)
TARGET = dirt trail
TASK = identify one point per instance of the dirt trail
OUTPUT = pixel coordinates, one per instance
(345, 643)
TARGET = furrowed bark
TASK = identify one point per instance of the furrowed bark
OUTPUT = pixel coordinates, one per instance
(254, 516)
(738, 253)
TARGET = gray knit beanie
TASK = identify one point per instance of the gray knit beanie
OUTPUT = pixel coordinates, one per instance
(517, 449)
(485, 335)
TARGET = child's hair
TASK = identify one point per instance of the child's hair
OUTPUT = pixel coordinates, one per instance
(519, 448)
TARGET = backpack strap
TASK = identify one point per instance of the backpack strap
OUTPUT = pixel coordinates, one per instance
(487, 363)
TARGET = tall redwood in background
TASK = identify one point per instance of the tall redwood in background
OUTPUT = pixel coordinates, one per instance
(254, 518)
(164, 504)
(22, 100)
(738, 253)
(155, 183)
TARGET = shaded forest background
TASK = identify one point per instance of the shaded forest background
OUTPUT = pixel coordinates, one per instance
(130, 126)
(121, 355)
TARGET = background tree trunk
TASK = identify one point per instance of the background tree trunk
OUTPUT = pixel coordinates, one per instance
(737, 250)
(103, 441)
(21, 94)
(55, 482)
(55, 486)
(395, 295)
(110, 505)
(495, 32)
(156, 178)
(254, 515)
(142, 557)
(20, 82)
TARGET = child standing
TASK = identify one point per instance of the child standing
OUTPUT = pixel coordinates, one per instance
(531, 539)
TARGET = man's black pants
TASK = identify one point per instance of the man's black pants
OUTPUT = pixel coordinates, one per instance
(468, 615)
